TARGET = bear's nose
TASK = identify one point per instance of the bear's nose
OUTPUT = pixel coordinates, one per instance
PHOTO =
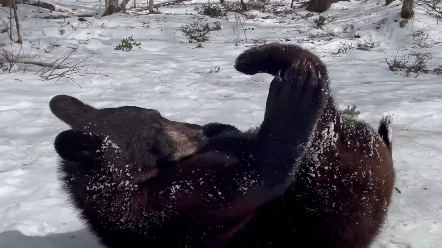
(199, 134)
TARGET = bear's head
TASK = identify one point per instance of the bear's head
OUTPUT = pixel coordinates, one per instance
(127, 135)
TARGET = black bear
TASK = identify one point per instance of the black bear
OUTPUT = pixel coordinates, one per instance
(112, 166)
(342, 190)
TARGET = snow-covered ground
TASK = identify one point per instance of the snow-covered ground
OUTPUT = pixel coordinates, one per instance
(200, 85)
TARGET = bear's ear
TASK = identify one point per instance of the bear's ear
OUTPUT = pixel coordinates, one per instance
(77, 146)
(69, 109)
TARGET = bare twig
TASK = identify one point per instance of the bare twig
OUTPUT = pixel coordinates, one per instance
(73, 68)
(10, 19)
(418, 65)
(65, 56)
(30, 59)
(9, 57)
(17, 25)
(12, 16)
(237, 28)
(5, 23)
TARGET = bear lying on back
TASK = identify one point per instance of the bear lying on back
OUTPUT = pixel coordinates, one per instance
(112, 167)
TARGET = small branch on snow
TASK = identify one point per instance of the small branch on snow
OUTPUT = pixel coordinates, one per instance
(73, 68)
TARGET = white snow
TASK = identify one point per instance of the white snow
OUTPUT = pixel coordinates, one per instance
(183, 82)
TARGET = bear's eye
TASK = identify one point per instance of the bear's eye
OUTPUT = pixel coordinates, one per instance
(155, 148)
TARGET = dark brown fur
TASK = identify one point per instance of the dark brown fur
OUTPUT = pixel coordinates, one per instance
(340, 196)
(108, 156)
